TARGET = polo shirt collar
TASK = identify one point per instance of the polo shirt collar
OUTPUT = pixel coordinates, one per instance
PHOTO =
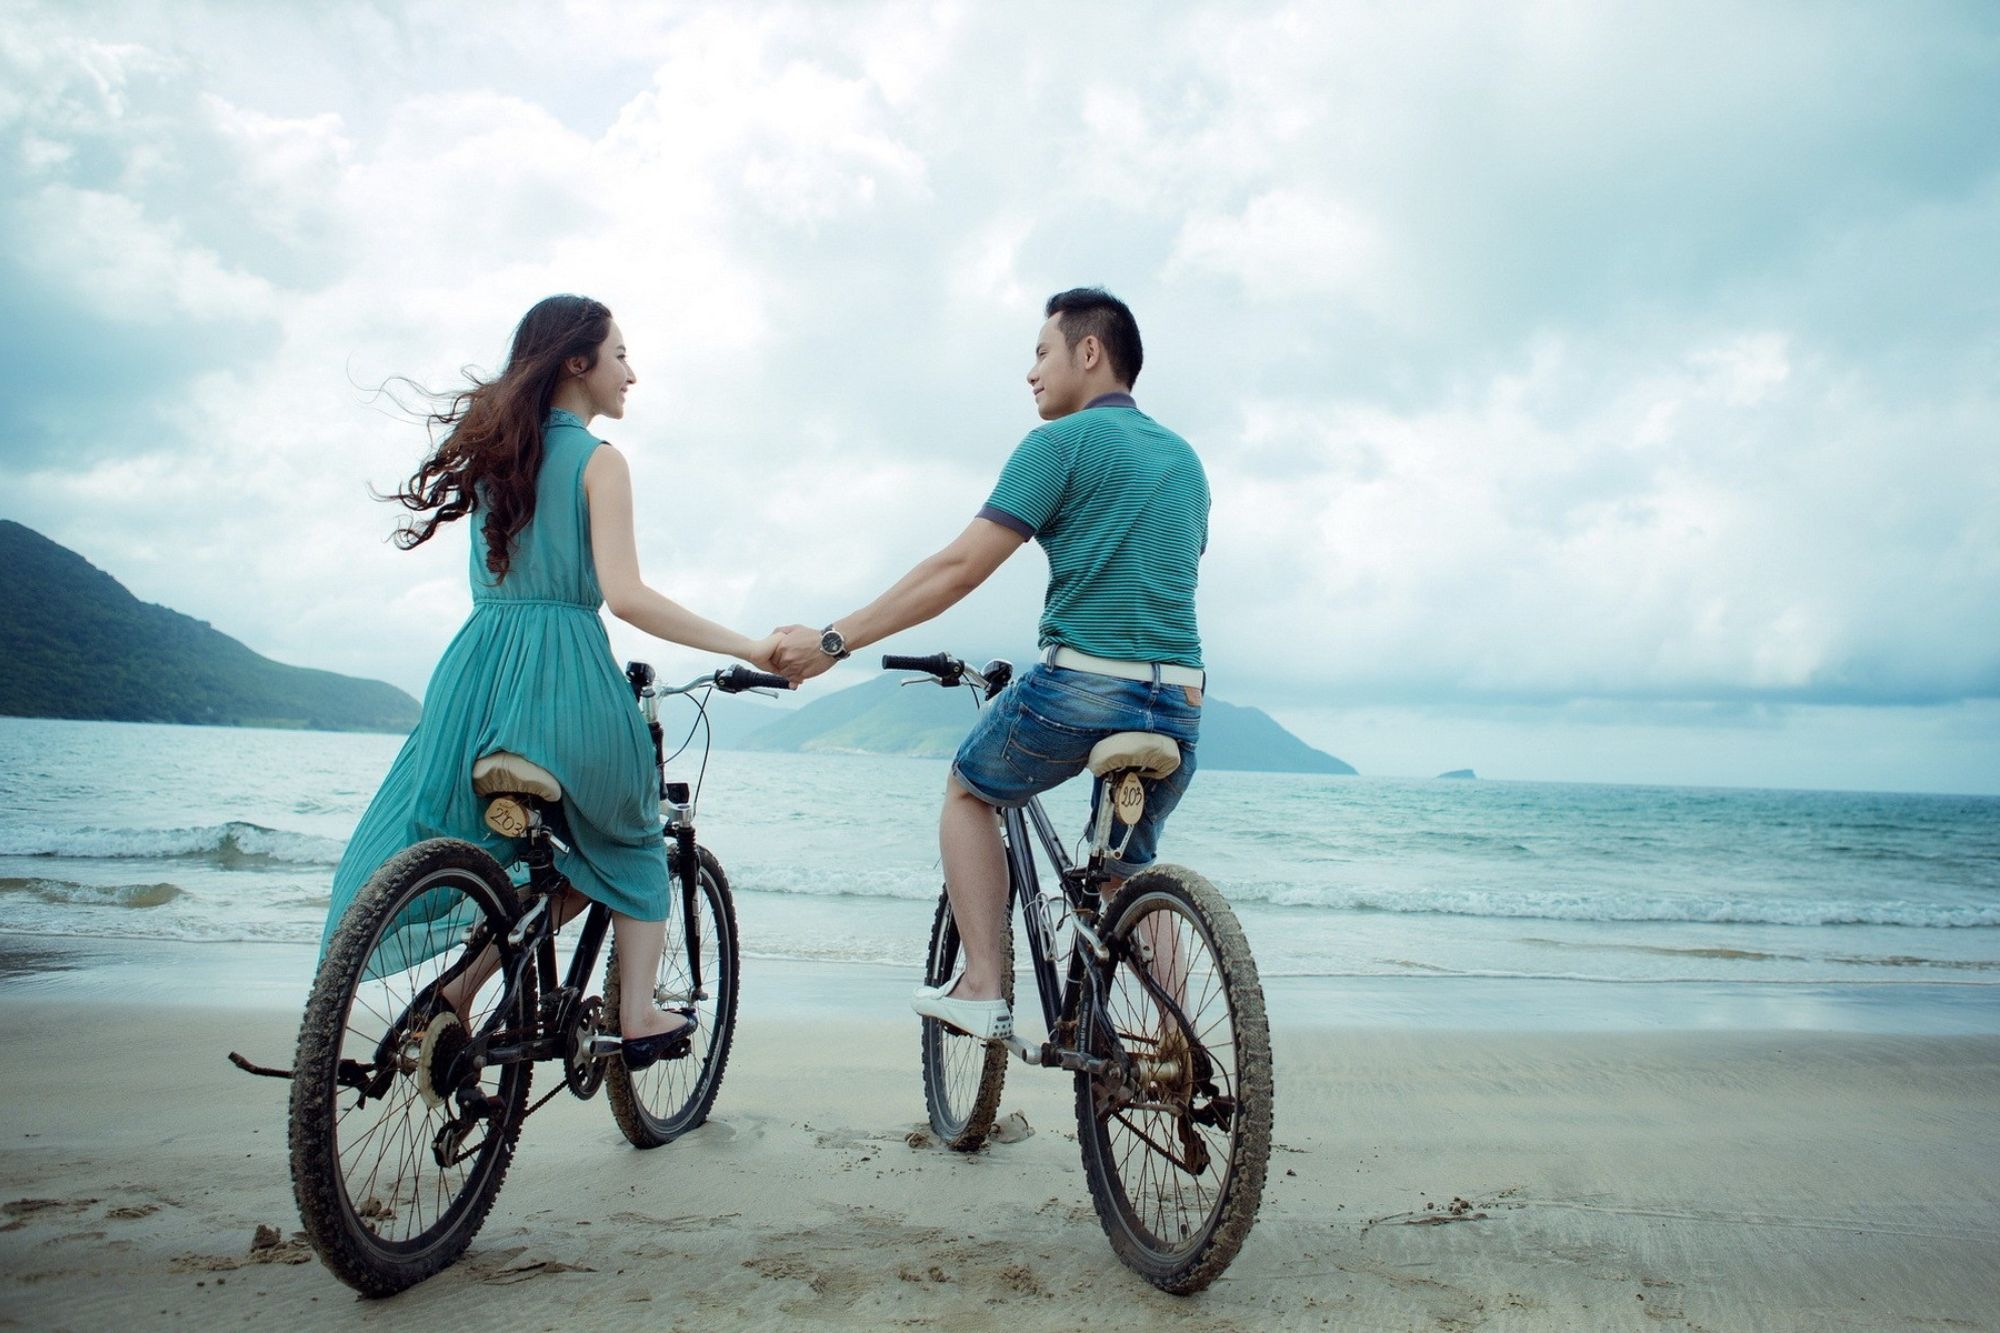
(1111, 400)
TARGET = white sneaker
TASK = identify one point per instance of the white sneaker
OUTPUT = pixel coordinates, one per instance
(986, 1020)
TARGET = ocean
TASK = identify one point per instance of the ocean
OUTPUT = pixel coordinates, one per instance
(1447, 899)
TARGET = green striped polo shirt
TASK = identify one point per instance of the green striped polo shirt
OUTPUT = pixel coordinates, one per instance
(1120, 504)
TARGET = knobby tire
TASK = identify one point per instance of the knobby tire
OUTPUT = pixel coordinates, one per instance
(962, 1076)
(658, 1104)
(363, 1169)
(1180, 1227)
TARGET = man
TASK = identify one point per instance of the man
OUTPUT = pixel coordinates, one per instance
(1120, 505)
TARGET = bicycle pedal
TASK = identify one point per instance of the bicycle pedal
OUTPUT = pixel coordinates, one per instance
(605, 1044)
(1023, 1050)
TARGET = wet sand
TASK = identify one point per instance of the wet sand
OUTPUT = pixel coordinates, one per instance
(1429, 1179)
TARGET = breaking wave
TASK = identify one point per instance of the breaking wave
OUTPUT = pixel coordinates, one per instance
(235, 844)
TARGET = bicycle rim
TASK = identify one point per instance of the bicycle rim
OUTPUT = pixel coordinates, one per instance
(1176, 1149)
(665, 1100)
(394, 1180)
(962, 1076)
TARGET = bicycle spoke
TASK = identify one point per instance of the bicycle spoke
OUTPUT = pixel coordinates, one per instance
(655, 1105)
(378, 1204)
(1163, 1178)
(962, 1075)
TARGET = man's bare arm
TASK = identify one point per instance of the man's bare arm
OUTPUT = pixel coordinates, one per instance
(933, 586)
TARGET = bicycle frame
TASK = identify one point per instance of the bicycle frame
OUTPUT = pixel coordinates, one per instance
(1072, 1001)
(1024, 885)
(546, 885)
(1173, 1112)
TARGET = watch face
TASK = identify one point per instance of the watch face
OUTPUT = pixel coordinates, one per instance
(831, 643)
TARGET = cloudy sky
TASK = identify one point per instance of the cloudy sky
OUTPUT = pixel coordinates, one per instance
(1594, 392)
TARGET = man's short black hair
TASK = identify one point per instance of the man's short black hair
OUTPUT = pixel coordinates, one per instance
(1088, 311)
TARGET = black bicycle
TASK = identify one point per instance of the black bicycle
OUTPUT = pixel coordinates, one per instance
(1152, 1001)
(405, 1111)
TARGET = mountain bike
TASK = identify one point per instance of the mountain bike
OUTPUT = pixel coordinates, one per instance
(404, 1111)
(1151, 1001)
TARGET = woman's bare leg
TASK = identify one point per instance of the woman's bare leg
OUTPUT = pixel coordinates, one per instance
(639, 945)
(466, 985)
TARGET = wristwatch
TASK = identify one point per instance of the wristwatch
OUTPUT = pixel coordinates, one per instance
(832, 643)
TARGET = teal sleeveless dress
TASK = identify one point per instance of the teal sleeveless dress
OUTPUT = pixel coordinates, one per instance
(530, 672)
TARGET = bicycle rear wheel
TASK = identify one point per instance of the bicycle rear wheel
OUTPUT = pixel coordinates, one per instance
(962, 1075)
(665, 1100)
(398, 1143)
(1176, 1135)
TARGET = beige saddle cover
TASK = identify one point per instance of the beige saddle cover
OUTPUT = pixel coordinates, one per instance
(1152, 754)
(503, 772)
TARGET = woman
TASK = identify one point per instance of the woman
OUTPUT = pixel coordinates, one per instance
(531, 671)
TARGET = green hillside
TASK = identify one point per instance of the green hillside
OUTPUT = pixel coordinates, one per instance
(884, 716)
(78, 645)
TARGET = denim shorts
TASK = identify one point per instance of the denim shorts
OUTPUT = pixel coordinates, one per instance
(1038, 734)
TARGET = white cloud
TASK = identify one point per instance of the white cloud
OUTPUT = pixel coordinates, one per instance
(1681, 534)
(1286, 245)
(1746, 369)
(132, 268)
(1533, 354)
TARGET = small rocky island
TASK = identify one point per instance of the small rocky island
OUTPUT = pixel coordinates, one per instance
(1459, 773)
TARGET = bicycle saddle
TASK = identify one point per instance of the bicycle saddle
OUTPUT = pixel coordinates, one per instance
(502, 772)
(1152, 754)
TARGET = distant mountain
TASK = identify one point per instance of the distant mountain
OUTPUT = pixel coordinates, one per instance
(1250, 738)
(76, 644)
(879, 717)
(1459, 773)
(884, 716)
(731, 717)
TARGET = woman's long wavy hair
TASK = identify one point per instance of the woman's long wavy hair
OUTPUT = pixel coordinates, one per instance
(493, 452)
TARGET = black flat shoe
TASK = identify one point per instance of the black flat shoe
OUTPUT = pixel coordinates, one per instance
(638, 1052)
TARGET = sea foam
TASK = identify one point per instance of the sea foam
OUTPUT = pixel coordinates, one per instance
(234, 843)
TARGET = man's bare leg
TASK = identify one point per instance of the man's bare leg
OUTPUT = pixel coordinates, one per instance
(1166, 963)
(975, 875)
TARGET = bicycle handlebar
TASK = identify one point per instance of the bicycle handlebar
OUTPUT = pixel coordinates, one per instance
(942, 665)
(989, 680)
(730, 680)
(736, 679)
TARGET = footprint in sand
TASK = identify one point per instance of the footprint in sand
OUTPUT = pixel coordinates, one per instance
(20, 1211)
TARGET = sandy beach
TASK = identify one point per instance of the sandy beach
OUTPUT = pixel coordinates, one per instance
(1421, 1179)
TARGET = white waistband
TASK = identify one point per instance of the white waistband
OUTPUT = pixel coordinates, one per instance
(1167, 673)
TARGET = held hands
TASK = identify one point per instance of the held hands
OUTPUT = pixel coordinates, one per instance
(797, 655)
(762, 654)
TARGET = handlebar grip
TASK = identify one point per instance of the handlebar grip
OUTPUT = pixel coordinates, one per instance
(734, 680)
(941, 665)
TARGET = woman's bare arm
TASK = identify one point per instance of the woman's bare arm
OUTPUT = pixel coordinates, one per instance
(607, 484)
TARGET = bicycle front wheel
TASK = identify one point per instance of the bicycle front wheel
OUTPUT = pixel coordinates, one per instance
(1176, 1132)
(399, 1142)
(665, 1100)
(962, 1075)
